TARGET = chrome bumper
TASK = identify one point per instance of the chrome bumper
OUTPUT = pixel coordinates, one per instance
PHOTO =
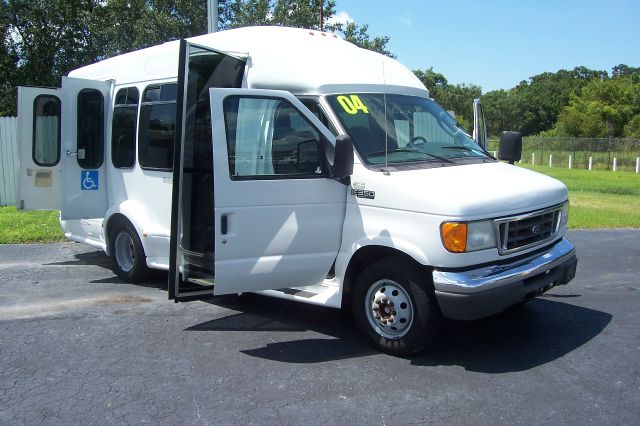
(483, 291)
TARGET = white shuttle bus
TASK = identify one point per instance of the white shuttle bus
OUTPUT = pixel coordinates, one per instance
(292, 163)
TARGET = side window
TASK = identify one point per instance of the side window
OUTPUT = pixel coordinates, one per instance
(90, 128)
(123, 132)
(269, 137)
(46, 130)
(157, 127)
(314, 107)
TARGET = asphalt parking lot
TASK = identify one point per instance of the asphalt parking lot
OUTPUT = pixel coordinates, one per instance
(78, 345)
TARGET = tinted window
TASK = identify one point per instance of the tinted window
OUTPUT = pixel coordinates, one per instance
(269, 137)
(46, 130)
(123, 133)
(90, 128)
(157, 127)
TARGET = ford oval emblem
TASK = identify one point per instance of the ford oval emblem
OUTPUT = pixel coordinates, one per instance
(536, 229)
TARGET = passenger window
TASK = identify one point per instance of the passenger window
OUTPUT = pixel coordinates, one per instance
(123, 132)
(46, 130)
(157, 127)
(90, 128)
(268, 137)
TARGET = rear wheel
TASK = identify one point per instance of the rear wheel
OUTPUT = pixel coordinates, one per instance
(128, 253)
(394, 306)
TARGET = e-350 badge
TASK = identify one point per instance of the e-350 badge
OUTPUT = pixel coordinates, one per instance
(358, 189)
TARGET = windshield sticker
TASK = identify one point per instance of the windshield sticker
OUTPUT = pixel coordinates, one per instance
(352, 104)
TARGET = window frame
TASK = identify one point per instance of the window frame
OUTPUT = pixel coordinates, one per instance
(33, 133)
(135, 128)
(142, 103)
(321, 146)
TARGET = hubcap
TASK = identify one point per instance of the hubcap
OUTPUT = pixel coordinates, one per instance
(124, 251)
(389, 309)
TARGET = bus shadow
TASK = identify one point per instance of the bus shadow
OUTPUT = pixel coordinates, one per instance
(156, 278)
(516, 340)
(519, 339)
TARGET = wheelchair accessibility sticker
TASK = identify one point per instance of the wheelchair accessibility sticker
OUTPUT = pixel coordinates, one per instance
(89, 180)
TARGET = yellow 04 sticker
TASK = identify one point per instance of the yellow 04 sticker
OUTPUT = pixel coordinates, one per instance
(352, 104)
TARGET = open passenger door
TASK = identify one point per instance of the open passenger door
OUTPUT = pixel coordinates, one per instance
(253, 205)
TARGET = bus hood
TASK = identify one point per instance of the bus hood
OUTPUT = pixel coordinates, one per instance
(468, 191)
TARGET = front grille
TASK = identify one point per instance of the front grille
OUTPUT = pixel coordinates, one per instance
(525, 231)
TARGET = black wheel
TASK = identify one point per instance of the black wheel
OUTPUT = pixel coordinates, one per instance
(394, 306)
(128, 253)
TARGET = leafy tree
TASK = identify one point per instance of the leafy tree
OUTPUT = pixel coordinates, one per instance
(603, 108)
(43, 40)
(8, 66)
(624, 70)
(359, 36)
(533, 106)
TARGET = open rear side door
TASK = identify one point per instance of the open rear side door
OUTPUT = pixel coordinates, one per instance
(39, 123)
(85, 129)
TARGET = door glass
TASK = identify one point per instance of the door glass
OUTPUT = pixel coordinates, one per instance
(196, 223)
(268, 137)
(46, 130)
(90, 128)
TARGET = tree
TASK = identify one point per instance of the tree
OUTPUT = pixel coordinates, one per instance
(359, 36)
(8, 66)
(603, 108)
(533, 105)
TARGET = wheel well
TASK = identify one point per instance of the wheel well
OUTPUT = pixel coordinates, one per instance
(112, 223)
(364, 257)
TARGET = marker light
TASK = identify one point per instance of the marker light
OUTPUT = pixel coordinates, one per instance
(454, 236)
(564, 215)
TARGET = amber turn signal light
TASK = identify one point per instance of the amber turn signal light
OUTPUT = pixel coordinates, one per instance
(454, 236)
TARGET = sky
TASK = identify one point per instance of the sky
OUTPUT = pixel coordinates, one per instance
(497, 43)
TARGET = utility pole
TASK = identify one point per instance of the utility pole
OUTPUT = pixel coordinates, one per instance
(212, 15)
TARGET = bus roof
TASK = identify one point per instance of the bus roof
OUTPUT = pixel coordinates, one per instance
(298, 60)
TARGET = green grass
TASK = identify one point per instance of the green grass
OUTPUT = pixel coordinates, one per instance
(29, 227)
(599, 199)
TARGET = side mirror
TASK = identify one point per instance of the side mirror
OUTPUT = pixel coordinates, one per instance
(342, 158)
(510, 147)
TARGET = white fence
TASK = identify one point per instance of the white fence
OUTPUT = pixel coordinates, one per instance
(8, 160)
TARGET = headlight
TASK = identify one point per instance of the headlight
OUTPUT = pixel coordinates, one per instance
(564, 215)
(460, 237)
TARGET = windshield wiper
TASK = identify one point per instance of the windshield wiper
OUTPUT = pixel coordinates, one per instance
(468, 149)
(437, 157)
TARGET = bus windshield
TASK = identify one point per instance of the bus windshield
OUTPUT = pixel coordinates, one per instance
(405, 129)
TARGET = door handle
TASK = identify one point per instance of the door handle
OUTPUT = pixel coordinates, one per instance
(80, 153)
(224, 224)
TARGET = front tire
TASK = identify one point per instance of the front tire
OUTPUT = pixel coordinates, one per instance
(394, 307)
(128, 254)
